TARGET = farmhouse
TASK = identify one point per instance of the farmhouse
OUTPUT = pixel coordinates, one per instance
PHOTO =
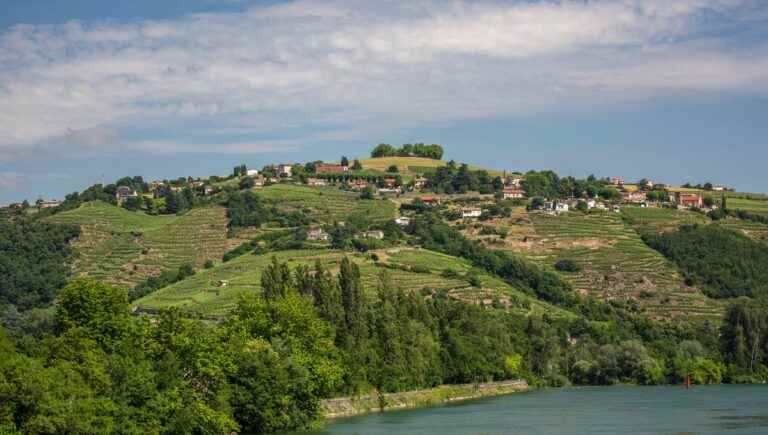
(430, 200)
(325, 168)
(317, 234)
(513, 193)
(561, 207)
(419, 183)
(686, 200)
(48, 203)
(357, 184)
(617, 181)
(403, 221)
(252, 172)
(258, 181)
(471, 212)
(123, 193)
(284, 170)
(316, 182)
(390, 183)
(373, 234)
(635, 197)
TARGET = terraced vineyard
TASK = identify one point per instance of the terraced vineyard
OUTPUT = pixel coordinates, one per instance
(327, 205)
(751, 205)
(206, 293)
(754, 230)
(124, 247)
(660, 219)
(616, 263)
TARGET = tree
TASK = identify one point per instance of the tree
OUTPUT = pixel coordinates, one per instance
(357, 166)
(368, 192)
(383, 150)
(276, 280)
(393, 169)
(344, 161)
(100, 310)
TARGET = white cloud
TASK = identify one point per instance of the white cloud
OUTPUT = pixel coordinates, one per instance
(289, 71)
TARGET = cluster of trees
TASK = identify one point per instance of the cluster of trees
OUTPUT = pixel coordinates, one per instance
(34, 261)
(726, 263)
(247, 209)
(461, 179)
(547, 184)
(433, 151)
(165, 278)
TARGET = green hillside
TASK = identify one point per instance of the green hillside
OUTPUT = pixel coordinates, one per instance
(123, 247)
(615, 263)
(213, 292)
(327, 205)
(411, 165)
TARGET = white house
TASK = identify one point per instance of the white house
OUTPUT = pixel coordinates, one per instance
(513, 193)
(317, 234)
(373, 234)
(252, 172)
(284, 170)
(471, 212)
(403, 221)
(561, 207)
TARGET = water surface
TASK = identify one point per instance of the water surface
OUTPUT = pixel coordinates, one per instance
(703, 410)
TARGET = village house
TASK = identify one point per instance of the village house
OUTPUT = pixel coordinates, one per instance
(316, 182)
(419, 183)
(50, 203)
(513, 193)
(471, 212)
(208, 190)
(252, 172)
(317, 234)
(258, 181)
(155, 185)
(284, 170)
(326, 168)
(123, 193)
(635, 197)
(390, 183)
(357, 184)
(373, 234)
(515, 181)
(561, 207)
(430, 200)
(591, 203)
(403, 221)
(686, 200)
(617, 181)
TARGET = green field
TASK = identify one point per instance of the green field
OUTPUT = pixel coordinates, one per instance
(203, 294)
(419, 164)
(123, 247)
(327, 204)
(752, 205)
(660, 219)
(615, 262)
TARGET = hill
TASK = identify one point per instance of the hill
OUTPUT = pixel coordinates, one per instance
(411, 166)
(213, 292)
(124, 247)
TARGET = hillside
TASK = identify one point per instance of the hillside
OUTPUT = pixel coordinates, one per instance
(123, 247)
(206, 292)
(411, 166)
(615, 263)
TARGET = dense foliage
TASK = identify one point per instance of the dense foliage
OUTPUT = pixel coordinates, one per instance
(34, 261)
(246, 209)
(726, 263)
(165, 278)
(433, 151)
(460, 179)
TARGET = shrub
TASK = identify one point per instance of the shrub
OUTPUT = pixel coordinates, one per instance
(567, 266)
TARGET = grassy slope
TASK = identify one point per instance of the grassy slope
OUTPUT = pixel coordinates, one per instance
(327, 205)
(410, 165)
(123, 247)
(615, 261)
(201, 293)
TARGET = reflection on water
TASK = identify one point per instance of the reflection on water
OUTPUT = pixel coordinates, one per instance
(710, 410)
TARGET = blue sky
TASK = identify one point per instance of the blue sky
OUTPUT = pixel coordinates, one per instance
(92, 90)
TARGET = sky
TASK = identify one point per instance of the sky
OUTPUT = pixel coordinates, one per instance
(91, 91)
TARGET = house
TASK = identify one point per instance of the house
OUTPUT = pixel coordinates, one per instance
(419, 183)
(430, 200)
(648, 185)
(284, 170)
(403, 221)
(616, 209)
(208, 190)
(252, 172)
(617, 181)
(317, 182)
(373, 234)
(513, 193)
(390, 183)
(471, 212)
(686, 200)
(561, 207)
(357, 184)
(325, 168)
(155, 185)
(223, 283)
(719, 188)
(591, 203)
(50, 203)
(635, 197)
(600, 206)
(317, 234)
(516, 181)
(124, 192)
(258, 181)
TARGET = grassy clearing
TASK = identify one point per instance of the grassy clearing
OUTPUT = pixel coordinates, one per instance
(328, 204)
(201, 293)
(123, 247)
(660, 219)
(615, 262)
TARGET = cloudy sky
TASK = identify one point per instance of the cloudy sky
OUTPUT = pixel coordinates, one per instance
(92, 90)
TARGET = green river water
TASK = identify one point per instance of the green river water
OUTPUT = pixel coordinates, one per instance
(702, 410)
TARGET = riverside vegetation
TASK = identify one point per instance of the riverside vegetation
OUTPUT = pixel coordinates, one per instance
(353, 317)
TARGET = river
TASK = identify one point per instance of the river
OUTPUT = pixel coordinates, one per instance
(702, 410)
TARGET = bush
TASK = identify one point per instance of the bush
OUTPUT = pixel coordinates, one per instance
(567, 266)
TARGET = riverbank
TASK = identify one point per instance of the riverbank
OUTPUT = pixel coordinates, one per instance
(351, 406)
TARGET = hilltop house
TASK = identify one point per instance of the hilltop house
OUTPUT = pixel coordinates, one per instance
(316, 182)
(50, 203)
(252, 172)
(357, 184)
(317, 234)
(617, 181)
(516, 181)
(513, 193)
(419, 183)
(325, 168)
(471, 212)
(123, 193)
(686, 200)
(561, 207)
(284, 170)
(634, 197)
